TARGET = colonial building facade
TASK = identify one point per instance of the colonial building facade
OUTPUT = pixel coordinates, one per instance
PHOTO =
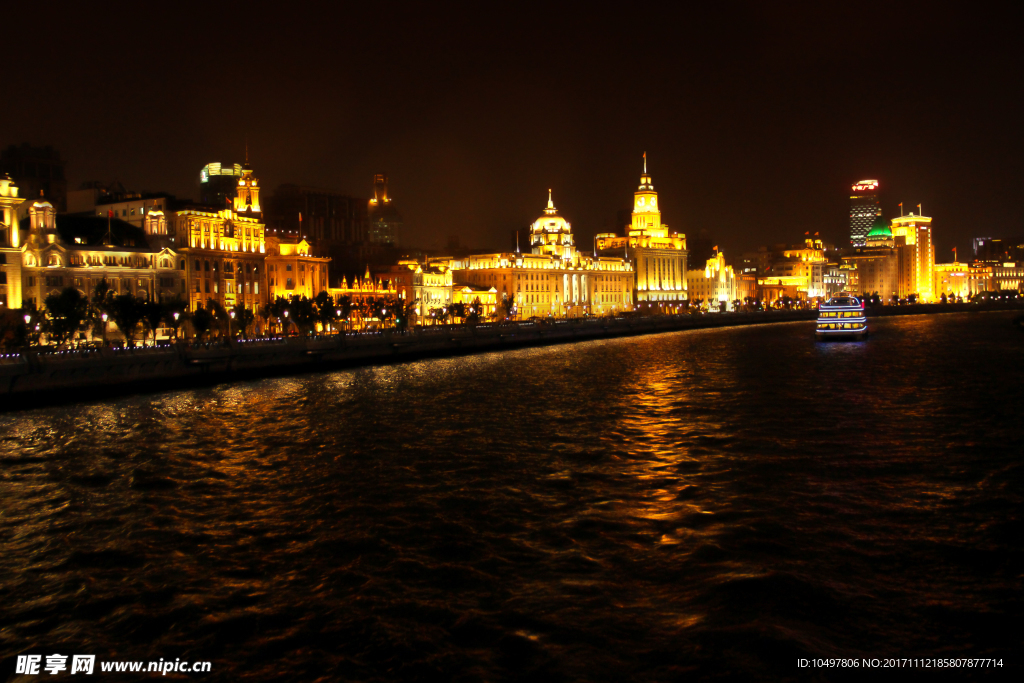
(658, 254)
(554, 279)
(224, 248)
(293, 270)
(715, 285)
(10, 244)
(46, 252)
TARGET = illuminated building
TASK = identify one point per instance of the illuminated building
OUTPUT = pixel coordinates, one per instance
(293, 270)
(1008, 275)
(746, 286)
(225, 255)
(917, 233)
(225, 247)
(10, 244)
(428, 284)
(361, 291)
(759, 262)
(66, 250)
(880, 235)
(957, 280)
(864, 209)
(839, 278)
(432, 287)
(218, 184)
(798, 272)
(895, 261)
(132, 207)
(658, 254)
(247, 195)
(877, 263)
(554, 278)
(401, 277)
(477, 295)
(714, 285)
(384, 221)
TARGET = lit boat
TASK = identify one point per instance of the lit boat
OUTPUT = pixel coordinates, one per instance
(842, 317)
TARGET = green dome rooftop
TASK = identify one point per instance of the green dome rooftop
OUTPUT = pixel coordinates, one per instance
(880, 228)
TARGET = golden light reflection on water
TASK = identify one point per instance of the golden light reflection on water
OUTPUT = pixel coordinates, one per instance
(659, 489)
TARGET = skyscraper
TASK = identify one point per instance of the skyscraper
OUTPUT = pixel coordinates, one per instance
(864, 208)
(384, 220)
(917, 230)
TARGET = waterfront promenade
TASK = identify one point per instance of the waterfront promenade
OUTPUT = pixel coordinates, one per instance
(43, 376)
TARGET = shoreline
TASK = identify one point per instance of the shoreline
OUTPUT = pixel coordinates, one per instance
(34, 379)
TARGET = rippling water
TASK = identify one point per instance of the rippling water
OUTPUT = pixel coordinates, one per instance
(711, 503)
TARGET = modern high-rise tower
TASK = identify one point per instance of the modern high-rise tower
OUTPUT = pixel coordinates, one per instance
(917, 231)
(864, 209)
(384, 220)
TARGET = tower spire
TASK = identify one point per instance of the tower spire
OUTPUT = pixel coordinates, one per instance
(550, 203)
(645, 163)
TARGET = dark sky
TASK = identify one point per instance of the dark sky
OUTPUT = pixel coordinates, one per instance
(756, 117)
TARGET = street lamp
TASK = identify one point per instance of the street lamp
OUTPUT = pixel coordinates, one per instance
(28, 318)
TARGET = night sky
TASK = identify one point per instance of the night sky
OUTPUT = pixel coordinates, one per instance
(756, 118)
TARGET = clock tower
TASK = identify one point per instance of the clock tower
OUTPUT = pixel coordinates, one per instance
(646, 212)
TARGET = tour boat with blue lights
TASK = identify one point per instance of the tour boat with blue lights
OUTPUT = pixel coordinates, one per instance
(842, 317)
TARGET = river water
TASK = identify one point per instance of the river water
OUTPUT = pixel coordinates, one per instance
(694, 505)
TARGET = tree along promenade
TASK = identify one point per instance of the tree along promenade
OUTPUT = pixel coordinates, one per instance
(40, 376)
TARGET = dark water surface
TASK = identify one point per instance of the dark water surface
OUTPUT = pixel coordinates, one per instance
(692, 505)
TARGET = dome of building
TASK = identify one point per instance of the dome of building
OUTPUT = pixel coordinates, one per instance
(880, 229)
(550, 222)
(551, 234)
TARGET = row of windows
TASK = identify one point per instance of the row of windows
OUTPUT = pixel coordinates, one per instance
(288, 268)
(228, 266)
(213, 287)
